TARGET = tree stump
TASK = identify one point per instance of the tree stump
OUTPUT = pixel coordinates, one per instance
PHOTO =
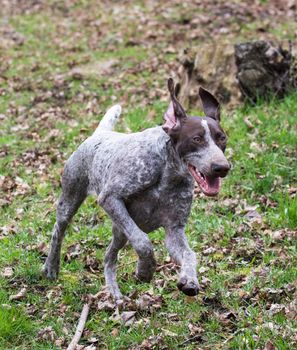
(211, 66)
(264, 70)
(251, 70)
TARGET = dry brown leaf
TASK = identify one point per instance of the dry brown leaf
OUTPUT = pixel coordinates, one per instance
(269, 346)
(248, 123)
(115, 332)
(209, 251)
(195, 330)
(19, 295)
(292, 191)
(91, 347)
(168, 333)
(149, 302)
(60, 342)
(47, 333)
(9, 229)
(153, 342)
(276, 308)
(40, 248)
(128, 317)
(253, 215)
(106, 305)
(226, 318)
(203, 269)
(73, 252)
(205, 281)
(8, 272)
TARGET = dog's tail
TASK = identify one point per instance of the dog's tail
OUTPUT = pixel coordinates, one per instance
(110, 118)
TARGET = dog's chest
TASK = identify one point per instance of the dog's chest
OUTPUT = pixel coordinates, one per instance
(162, 205)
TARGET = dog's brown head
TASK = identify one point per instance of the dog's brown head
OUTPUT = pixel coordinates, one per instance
(199, 141)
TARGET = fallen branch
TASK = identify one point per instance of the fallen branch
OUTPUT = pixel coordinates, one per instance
(80, 327)
(231, 336)
(191, 339)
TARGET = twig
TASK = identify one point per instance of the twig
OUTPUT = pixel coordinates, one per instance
(128, 263)
(80, 327)
(191, 339)
(231, 336)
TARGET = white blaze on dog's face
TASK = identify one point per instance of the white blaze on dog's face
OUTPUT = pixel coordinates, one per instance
(203, 151)
(200, 141)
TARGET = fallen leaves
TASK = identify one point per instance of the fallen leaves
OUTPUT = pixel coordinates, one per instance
(205, 282)
(226, 318)
(276, 308)
(276, 294)
(195, 330)
(14, 185)
(55, 97)
(209, 250)
(99, 69)
(73, 252)
(10, 37)
(248, 123)
(127, 318)
(20, 295)
(8, 272)
(91, 263)
(149, 302)
(40, 247)
(127, 311)
(8, 229)
(280, 235)
(106, 305)
(196, 335)
(47, 334)
(269, 346)
(292, 191)
(153, 342)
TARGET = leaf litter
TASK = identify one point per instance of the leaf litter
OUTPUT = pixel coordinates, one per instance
(161, 33)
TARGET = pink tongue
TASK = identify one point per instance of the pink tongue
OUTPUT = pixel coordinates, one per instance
(213, 183)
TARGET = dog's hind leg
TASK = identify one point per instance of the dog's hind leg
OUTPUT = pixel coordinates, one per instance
(117, 211)
(118, 241)
(74, 192)
(66, 209)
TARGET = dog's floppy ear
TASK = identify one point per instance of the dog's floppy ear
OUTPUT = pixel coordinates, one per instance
(175, 114)
(210, 104)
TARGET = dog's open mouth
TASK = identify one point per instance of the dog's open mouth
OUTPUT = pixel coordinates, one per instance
(210, 186)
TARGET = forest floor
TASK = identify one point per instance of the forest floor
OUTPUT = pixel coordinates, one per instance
(62, 64)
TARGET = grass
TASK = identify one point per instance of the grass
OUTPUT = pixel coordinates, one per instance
(47, 113)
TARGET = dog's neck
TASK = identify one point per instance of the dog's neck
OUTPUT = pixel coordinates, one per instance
(176, 169)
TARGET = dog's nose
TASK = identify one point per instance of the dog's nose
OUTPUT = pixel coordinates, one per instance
(220, 170)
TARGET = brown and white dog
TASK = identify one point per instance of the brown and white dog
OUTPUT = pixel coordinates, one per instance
(144, 181)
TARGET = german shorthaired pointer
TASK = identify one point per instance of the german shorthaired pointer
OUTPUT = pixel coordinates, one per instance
(144, 181)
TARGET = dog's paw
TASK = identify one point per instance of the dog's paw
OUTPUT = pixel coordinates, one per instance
(188, 286)
(50, 272)
(143, 276)
(145, 270)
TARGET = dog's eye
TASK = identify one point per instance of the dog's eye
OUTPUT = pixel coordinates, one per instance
(197, 139)
(221, 137)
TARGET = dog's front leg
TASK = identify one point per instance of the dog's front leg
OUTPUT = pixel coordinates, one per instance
(179, 250)
(116, 209)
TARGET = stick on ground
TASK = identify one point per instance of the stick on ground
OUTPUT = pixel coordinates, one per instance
(80, 327)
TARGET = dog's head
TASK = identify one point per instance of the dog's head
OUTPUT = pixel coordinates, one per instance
(199, 141)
